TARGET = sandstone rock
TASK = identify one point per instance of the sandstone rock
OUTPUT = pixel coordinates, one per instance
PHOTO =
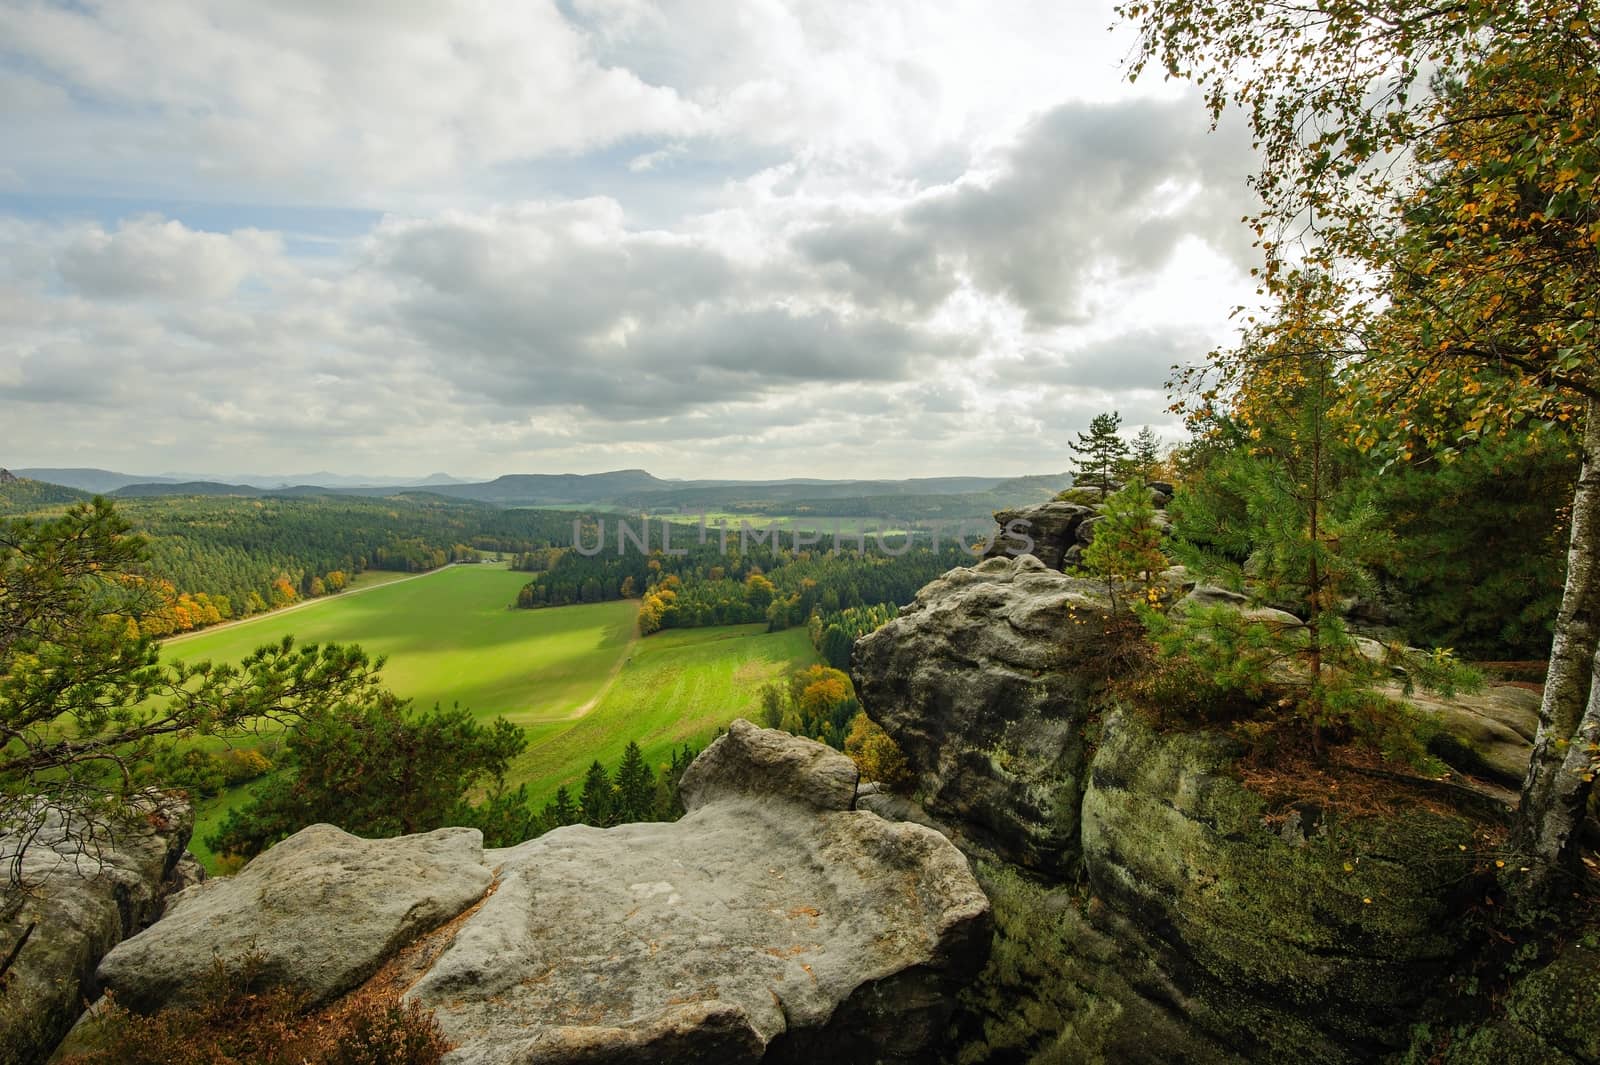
(765, 763)
(1087, 494)
(1069, 981)
(1319, 947)
(83, 899)
(322, 911)
(765, 922)
(772, 923)
(1489, 733)
(1050, 526)
(1202, 595)
(186, 874)
(1548, 1017)
(981, 683)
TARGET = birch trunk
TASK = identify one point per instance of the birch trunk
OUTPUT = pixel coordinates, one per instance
(1555, 793)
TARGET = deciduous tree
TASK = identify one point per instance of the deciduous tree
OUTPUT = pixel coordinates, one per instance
(1445, 157)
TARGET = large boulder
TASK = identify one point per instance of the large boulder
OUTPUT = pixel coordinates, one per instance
(87, 888)
(769, 924)
(1489, 733)
(1318, 938)
(318, 913)
(774, 922)
(982, 681)
(1046, 531)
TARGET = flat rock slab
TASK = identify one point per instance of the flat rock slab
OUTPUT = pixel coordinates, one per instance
(771, 923)
(709, 939)
(321, 911)
(1489, 732)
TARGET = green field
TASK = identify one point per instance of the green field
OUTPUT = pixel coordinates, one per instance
(454, 636)
(576, 678)
(678, 686)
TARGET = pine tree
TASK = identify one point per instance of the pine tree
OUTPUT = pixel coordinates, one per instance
(1144, 457)
(1283, 519)
(1126, 548)
(636, 786)
(1099, 451)
(669, 807)
(560, 811)
(596, 803)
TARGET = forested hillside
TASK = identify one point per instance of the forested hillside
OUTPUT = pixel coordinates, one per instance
(839, 594)
(18, 495)
(221, 557)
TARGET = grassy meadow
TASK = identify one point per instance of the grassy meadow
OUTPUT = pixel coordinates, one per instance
(576, 678)
(453, 636)
(677, 686)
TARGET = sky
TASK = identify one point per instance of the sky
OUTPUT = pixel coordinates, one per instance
(756, 239)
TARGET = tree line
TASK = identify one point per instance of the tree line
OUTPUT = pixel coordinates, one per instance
(751, 583)
(215, 558)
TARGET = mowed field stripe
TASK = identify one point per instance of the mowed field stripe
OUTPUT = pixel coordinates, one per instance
(456, 638)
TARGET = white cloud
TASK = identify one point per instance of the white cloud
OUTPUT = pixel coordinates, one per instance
(872, 240)
(163, 258)
(354, 99)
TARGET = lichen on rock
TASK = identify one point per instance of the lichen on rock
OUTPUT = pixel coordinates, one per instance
(88, 886)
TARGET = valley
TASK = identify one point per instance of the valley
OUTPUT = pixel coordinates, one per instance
(578, 679)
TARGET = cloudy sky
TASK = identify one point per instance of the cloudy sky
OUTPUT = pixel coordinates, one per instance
(750, 239)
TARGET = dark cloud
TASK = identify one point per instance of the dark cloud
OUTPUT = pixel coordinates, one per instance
(1088, 190)
(544, 306)
(1142, 359)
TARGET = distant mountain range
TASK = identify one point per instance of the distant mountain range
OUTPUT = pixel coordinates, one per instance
(95, 480)
(630, 489)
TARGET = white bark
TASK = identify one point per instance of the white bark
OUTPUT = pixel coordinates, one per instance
(1555, 794)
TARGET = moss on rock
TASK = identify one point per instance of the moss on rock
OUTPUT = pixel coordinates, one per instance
(1320, 938)
(1067, 987)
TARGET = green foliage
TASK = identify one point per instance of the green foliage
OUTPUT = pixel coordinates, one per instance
(1480, 545)
(740, 583)
(1285, 520)
(561, 810)
(834, 633)
(504, 816)
(20, 495)
(634, 792)
(596, 802)
(636, 786)
(818, 702)
(1144, 459)
(876, 754)
(1127, 547)
(376, 770)
(1100, 452)
(1438, 164)
(203, 773)
(84, 698)
(242, 555)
